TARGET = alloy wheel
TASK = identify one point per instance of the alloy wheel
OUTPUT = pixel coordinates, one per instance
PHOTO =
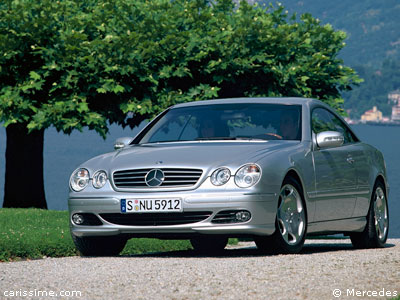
(291, 215)
(380, 214)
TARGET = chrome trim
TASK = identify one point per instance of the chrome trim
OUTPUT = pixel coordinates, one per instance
(135, 179)
(329, 139)
(154, 177)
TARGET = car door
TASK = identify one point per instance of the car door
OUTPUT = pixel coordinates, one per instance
(335, 173)
(362, 162)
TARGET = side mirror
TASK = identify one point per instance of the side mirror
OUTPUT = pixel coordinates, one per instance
(122, 142)
(329, 139)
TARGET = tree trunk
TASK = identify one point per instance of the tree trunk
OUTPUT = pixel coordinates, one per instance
(24, 185)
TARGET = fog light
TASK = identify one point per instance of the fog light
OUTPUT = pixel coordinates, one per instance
(243, 216)
(78, 219)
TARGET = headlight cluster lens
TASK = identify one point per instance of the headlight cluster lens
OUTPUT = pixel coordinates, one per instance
(79, 180)
(247, 176)
(99, 179)
(220, 176)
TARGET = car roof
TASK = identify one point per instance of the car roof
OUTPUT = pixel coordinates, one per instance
(283, 100)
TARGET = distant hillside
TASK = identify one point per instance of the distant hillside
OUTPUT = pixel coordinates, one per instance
(372, 47)
(373, 26)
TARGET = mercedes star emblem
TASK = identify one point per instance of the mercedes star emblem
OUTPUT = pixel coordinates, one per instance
(154, 178)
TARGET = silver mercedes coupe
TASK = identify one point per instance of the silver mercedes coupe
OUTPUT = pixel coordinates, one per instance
(272, 169)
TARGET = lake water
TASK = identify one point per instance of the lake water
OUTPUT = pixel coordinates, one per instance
(63, 153)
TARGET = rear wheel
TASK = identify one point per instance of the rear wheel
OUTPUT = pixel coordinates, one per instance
(209, 244)
(99, 246)
(290, 224)
(376, 231)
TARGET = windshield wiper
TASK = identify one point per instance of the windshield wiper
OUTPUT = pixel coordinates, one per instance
(216, 138)
(248, 138)
(238, 138)
(224, 138)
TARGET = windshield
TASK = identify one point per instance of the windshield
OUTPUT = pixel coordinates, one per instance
(226, 122)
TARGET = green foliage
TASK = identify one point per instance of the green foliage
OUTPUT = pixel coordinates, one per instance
(378, 83)
(372, 46)
(145, 246)
(35, 233)
(75, 63)
(372, 26)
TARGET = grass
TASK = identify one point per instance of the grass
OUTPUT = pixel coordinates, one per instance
(37, 233)
(34, 233)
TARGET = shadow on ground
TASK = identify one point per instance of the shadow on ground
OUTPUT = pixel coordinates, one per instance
(250, 250)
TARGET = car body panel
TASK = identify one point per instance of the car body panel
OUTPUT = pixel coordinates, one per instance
(336, 184)
(336, 192)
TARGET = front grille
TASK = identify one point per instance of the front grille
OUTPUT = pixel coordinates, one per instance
(172, 178)
(156, 219)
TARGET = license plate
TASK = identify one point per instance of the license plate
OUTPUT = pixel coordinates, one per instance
(151, 205)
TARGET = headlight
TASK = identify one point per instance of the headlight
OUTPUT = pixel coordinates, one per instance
(220, 176)
(99, 179)
(247, 176)
(79, 180)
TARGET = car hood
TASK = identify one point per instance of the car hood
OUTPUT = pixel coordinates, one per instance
(202, 155)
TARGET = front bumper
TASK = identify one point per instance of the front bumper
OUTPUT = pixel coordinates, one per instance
(262, 207)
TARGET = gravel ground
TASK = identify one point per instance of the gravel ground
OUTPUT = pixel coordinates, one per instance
(324, 267)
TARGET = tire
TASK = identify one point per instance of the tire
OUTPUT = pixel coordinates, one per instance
(376, 231)
(209, 244)
(290, 223)
(99, 246)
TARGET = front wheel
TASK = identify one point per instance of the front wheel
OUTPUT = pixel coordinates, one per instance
(376, 231)
(99, 246)
(290, 224)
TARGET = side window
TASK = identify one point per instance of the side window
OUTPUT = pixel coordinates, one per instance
(324, 120)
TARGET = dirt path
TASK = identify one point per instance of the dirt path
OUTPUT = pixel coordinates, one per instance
(325, 267)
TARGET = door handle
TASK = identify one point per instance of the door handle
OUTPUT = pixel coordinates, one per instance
(350, 160)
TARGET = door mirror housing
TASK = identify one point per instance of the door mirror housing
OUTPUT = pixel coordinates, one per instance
(122, 142)
(329, 139)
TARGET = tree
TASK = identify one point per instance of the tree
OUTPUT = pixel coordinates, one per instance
(78, 63)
